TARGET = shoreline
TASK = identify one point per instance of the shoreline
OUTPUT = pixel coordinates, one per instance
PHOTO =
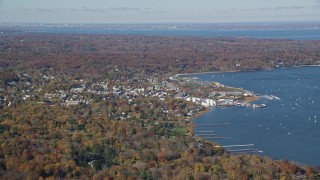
(234, 71)
(191, 126)
(209, 72)
(315, 65)
(249, 100)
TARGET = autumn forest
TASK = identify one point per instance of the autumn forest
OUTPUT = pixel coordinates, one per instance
(104, 106)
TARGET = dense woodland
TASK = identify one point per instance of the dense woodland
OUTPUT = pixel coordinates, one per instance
(125, 136)
(144, 55)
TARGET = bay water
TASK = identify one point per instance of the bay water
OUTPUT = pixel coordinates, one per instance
(288, 128)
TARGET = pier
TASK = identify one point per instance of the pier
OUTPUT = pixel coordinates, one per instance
(206, 134)
(238, 145)
(232, 149)
(218, 137)
(219, 124)
(239, 151)
(204, 131)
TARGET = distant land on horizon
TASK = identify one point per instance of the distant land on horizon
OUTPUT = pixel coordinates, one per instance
(174, 26)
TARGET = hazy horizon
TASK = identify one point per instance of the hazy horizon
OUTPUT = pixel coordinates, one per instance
(150, 11)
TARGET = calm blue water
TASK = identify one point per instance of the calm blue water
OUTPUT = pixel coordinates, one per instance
(306, 34)
(288, 128)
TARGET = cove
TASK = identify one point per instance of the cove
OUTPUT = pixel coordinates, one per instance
(288, 128)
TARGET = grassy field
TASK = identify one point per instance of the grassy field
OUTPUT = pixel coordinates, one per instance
(179, 131)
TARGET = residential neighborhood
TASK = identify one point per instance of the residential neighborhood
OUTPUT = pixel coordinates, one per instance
(40, 88)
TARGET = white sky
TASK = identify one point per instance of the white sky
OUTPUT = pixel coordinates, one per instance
(156, 11)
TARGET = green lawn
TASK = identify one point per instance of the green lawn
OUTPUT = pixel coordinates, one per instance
(180, 131)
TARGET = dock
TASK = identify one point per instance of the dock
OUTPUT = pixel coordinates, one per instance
(238, 145)
(246, 148)
(239, 151)
(219, 124)
(218, 137)
(212, 134)
(204, 131)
